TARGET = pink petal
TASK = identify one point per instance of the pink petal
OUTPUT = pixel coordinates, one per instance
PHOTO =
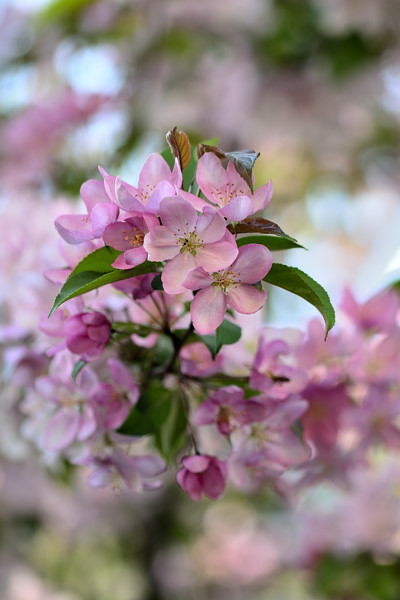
(237, 181)
(126, 196)
(238, 208)
(175, 272)
(161, 244)
(196, 463)
(135, 256)
(215, 257)
(190, 483)
(149, 466)
(154, 170)
(120, 262)
(74, 229)
(246, 299)
(211, 176)
(114, 235)
(206, 413)
(197, 279)
(208, 310)
(211, 226)
(262, 196)
(195, 201)
(92, 192)
(163, 190)
(178, 215)
(253, 263)
(61, 430)
(102, 215)
(213, 482)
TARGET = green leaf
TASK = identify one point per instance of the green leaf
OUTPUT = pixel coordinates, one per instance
(78, 366)
(227, 333)
(157, 284)
(295, 281)
(172, 435)
(272, 242)
(150, 412)
(94, 271)
(126, 328)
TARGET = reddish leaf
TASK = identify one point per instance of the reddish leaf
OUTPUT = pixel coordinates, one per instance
(179, 143)
(258, 226)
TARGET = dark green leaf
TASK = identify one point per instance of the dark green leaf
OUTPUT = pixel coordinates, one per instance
(94, 271)
(150, 412)
(272, 242)
(172, 435)
(128, 328)
(295, 281)
(78, 366)
(227, 333)
(156, 283)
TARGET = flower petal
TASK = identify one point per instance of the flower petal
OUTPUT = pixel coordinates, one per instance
(208, 310)
(175, 272)
(217, 256)
(238, 208)
(246, 299)
(178, 215)
(253, 263)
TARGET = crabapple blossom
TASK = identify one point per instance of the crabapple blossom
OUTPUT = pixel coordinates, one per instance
(228, 408)
(227, 189)
(229, 287)
(101, 211)
(128, 236)
(87, 334)
(116, 399)
(202, 474)
(155, 183)
(187, 240)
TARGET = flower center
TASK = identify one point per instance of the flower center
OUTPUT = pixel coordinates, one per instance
(191, 243)
(224, 280)
(134, 236)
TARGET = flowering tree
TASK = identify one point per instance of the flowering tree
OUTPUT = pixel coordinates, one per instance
(188, 253)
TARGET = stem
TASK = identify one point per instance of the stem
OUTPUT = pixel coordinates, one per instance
(178, 344)
(185, 405)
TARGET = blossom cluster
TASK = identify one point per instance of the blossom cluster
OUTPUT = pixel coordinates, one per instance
(155, 371)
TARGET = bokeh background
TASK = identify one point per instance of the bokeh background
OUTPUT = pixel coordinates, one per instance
(314, 86)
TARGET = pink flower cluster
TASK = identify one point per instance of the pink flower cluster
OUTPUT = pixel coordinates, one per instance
(160, 222)
(141, 374)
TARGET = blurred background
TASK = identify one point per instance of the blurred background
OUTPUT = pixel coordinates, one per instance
(314, 86)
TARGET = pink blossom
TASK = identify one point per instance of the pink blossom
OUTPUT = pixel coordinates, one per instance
(117, 398)
(87, 334)
(138, 287)
(188, 240)
(229, 410)
(270, 373)
(229, 287)
(228, 190)
(266, 449)
(202, 474)
(75, 416)
(196, 360)
(379, 313)
(101, 211)
(155, 183)
(128, 236)
(122, 471)
(321, 421)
